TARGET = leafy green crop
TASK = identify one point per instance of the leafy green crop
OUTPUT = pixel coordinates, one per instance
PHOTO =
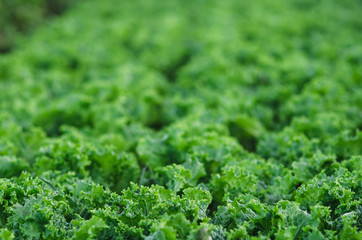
(185, 120)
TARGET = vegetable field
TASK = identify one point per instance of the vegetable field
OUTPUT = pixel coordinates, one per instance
(204, 120)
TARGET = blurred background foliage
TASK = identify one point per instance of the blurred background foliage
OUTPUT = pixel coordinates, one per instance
(23, 16)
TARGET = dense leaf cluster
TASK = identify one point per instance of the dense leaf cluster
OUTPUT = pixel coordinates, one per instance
(185, 120)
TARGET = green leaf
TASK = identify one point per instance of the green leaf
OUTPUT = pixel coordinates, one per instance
(88, 229)
(5, 234)
(177, 177)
